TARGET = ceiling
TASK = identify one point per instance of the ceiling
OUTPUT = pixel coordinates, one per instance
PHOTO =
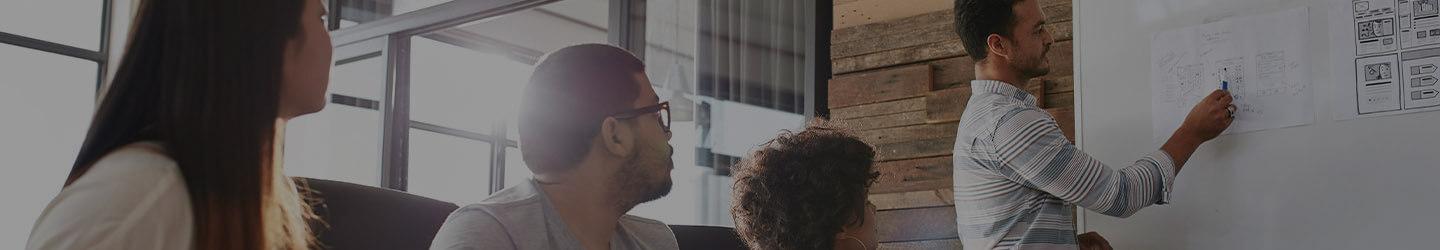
(571, 22)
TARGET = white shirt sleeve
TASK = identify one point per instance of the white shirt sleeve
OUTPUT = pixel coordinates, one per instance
(133, 198)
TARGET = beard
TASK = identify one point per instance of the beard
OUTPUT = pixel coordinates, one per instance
(1034, 66)
(645, 177)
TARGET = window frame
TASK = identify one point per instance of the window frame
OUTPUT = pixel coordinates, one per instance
(400, 29)
(627, 20)
(101, 57)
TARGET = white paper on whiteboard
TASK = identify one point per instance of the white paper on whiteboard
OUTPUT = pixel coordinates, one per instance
(1262, 58)
(1388, 57)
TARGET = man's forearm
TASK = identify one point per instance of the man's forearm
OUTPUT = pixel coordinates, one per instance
(1180, 146)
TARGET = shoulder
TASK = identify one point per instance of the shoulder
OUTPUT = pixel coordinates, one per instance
(485, 225)
(1021, 115)
(999, 113)
(472, 227)
(473, 215)
(139, 161)
(517, 202)
(514, 204)
(648, 230)
(133, 196)
(643, 222)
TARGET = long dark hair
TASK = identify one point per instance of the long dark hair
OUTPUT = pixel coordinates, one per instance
(203, 78)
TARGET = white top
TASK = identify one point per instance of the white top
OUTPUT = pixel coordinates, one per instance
(133, 198)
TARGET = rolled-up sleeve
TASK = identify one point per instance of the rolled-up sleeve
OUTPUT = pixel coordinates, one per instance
(1030, 149)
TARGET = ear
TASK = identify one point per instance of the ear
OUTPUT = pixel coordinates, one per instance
(845, 232)
(617, 138)
(844, 240)
(998, 46)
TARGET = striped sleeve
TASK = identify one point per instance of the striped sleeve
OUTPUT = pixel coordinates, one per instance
(1031, 150)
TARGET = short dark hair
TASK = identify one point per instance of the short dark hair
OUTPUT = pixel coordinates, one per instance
(801, 189)
(571, 91)
(975, 20)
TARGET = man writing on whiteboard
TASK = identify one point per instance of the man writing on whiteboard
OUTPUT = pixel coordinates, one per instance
(1016, 175)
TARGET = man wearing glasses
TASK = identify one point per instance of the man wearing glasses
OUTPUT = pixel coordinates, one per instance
(597, 139)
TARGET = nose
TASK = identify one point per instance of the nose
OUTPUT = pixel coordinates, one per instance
(1049, 38)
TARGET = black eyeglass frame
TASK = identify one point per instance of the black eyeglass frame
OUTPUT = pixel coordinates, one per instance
(657, 108)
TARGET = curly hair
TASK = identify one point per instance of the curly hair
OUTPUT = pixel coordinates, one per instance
(800, 189)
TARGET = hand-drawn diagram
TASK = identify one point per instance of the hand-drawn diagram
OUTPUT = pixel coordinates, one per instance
(1258, 58)
(1274, 69)
(1419, 22)
(1375, 26)
(1376, 88)
(1187, 87)
(1399, 77)
(1231, 72)
(1419, 84)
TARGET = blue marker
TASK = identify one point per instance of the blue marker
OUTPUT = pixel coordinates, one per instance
(1224, 85)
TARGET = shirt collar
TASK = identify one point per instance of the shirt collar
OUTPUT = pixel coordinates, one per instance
(979, 87)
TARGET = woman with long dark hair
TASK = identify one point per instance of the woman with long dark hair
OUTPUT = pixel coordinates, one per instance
(184, 149)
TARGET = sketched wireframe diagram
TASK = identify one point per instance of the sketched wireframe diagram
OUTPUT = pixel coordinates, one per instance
(1259, 59)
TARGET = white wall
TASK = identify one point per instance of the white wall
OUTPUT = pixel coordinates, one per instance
(1356, 184)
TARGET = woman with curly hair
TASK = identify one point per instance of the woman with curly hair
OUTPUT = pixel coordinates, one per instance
(807, 190)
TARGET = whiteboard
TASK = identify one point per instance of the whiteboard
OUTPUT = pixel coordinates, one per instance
(1366, 183)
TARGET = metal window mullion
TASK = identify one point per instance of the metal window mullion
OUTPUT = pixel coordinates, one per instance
(333, 15)
(439, 129)
(396, 130)
(497, 157)
(431, 18)
(104, 53)
(817, 58)
(627, 26)
(51, 47)
(496, 140)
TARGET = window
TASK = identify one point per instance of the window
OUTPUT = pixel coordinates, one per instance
(465, 87)
(74, 23)
(723, 65)
(354, 12)
(342, 142)
(448, 168)
(515, 170)
(51, 54)
(47, 100)
(462, 88)
(459, 79)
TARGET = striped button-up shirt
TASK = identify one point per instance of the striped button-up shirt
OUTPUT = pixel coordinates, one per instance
(1016, 175)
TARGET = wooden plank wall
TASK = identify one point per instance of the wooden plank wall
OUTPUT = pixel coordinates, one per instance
(901, 85)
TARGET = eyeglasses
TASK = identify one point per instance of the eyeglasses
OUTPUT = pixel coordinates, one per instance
(662, 108)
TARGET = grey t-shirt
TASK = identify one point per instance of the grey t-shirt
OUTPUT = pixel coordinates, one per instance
(522, 217)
